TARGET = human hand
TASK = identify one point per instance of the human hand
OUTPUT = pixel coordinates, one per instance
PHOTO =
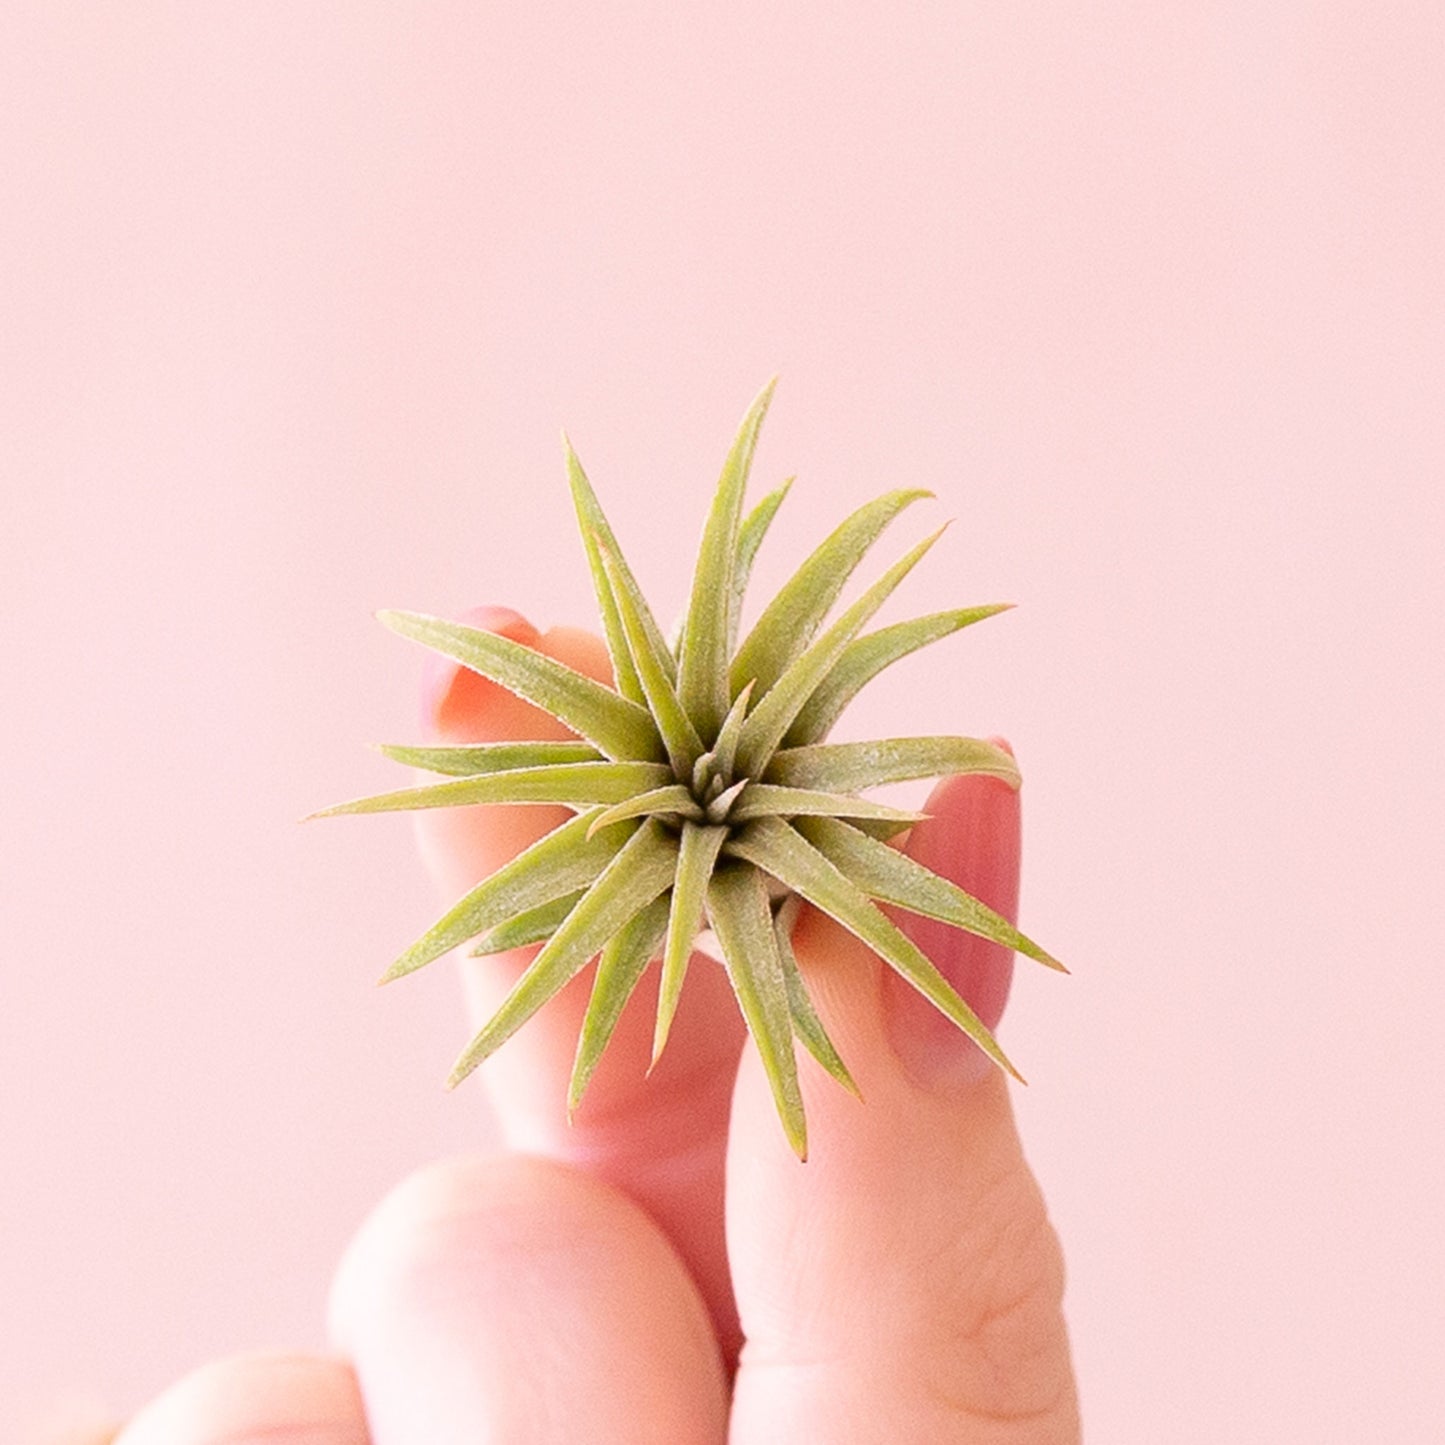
(597, 1282)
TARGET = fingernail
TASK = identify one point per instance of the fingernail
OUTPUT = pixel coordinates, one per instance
(972, 838)
(452, 695)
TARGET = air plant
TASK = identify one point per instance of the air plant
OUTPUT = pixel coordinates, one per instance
(704, 792)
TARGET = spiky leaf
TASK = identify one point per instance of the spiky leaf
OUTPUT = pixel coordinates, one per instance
(576, 783)
(792, 618)
(696, 857)
(658, 802)
(641, 870)
(893, 877)
(569, 857)
(865, 657)
(469, 760)
(619, 969)
(849, 767)
(779, 850)
(526, 928)
(620, 728)
(649, 658)
(596, 537)
(737, 903)
(703, 667)
(806, 1023)
(750, 537)
(725, 749)
(773, 716)
(763, 800)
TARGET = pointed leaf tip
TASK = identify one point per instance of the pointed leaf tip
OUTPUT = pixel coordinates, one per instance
(620, 727)
(619, 969)
(697, 857)
(640, 871)
(865, 657)
(781, 704)
(806, 1023)
(649, 658)
(791, 619)
(738, 906)
(703, 666)
(784, 853)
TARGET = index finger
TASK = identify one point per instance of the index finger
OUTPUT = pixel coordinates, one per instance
(661, 1139)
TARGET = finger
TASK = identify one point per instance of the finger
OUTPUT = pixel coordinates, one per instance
(660, 1139)
(520, 1300)
(905, 1284)
(303, 1399)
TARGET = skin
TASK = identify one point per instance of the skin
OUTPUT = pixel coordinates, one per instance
(664, 1270)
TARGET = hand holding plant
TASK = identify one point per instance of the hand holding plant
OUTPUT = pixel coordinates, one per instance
(902, 1286)
(652, 1262)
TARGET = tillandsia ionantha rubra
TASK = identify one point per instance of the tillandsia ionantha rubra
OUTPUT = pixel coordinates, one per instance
(705, 793)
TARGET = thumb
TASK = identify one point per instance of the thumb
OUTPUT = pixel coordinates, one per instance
(905, 1283)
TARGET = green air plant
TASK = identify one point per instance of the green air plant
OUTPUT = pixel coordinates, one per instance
(704, 792)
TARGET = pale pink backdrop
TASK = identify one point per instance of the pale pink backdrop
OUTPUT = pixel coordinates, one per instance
(295, 300)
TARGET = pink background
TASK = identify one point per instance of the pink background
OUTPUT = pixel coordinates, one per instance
(295, 300)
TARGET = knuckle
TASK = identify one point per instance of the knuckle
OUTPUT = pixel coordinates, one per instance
(1005, 1358)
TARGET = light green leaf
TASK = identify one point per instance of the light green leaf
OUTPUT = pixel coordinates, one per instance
(619, 969)
(570, 783)
(672, 799)
(849, 767)
(865, 657)
(737, 904)
(725, 749)
(678, 734)
(642, 869)
(774, 715)
(703, 669)
(882, 830)
(806, 1023)
(620, 727)
(797, 611)
(762, 800)
(563, 861)
(750, 537)
(471, 759)
(893, 877)
(695, 859)
(720, 807)
(595, 530)
(781, 851)
(530, 927)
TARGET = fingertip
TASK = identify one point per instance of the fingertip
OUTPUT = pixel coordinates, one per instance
(580, 649)
(481, 1285)
(253, 1397)
(973, 839)
(970, 833)
(504, 621)
(453, 697)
